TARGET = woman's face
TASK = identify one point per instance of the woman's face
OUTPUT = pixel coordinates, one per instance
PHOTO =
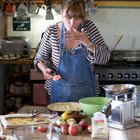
(70, 22)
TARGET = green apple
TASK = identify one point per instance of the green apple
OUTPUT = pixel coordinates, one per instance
(60, 121)
(71, 121)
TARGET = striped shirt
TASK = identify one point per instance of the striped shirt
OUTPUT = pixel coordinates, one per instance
(50, 44)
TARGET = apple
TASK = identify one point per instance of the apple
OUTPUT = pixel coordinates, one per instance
(80, 128)
(89, 128)
(64, 128)
(73, 130)
(42, 128)
(60, 121)
(84, 123)
(71, 121)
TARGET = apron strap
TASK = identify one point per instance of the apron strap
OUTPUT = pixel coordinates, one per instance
(62, 40)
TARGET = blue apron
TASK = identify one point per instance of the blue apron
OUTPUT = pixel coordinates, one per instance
(77, 79)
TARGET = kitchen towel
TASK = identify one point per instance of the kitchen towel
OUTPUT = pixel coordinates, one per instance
(39, 95)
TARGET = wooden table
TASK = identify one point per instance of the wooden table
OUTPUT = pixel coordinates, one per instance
(114, 134)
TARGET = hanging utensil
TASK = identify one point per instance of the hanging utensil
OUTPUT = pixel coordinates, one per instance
(49, 15)
(117, 43)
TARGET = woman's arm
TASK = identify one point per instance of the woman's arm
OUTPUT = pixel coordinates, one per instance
(100, 54)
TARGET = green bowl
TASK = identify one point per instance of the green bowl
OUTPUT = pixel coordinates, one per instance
(90, 105)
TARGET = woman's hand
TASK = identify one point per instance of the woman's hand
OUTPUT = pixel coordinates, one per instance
(47, 72)
(80, 37)
(50, 75)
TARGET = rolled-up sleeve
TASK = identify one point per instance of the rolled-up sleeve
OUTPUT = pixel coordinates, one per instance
(101, 54)
(44, 51)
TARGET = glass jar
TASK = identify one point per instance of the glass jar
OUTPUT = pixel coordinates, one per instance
(136, 97)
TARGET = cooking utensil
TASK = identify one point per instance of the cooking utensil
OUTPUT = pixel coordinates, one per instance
(15, 120)
(117, 42)
(130, 56)
(119, 88)
(119, 116)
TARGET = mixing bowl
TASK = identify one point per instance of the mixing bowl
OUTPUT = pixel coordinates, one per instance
(33, 132)
(91, 105)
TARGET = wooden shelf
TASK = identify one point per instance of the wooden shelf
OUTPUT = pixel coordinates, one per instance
(110, 3)
(17, 95)
(36, 1)
(18, 86)
(17, 61)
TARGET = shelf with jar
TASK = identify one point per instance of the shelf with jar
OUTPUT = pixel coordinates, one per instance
(18, 87)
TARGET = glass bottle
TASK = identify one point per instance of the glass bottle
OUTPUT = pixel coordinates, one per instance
(136, 97)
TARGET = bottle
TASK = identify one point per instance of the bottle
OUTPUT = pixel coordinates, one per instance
(18, 103)
(136, 98)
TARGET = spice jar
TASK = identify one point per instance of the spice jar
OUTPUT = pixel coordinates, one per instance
(25, 88)
(18, 103)
(18, 87)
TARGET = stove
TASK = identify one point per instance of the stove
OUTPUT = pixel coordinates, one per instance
(118, 72)
(119, 69)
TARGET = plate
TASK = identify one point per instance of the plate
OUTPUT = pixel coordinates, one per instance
(10, 57)
(14, 120)
(64, 106)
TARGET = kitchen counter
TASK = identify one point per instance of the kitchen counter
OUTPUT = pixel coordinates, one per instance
(114, 134)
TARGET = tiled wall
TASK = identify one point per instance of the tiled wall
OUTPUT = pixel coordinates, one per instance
(112, 23)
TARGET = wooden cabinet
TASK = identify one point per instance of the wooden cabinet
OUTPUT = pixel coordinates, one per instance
(18, 87)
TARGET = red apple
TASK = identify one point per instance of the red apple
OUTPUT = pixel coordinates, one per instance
(73, 129)
(89, 128)
(64, 128)
(83, 123)
(42, 128)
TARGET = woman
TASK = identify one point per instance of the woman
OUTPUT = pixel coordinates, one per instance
(70, 49)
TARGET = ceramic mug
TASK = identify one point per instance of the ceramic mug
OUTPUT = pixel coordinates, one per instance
(42, 10)
(10, 9)
(33, 8)
(22, 9)
(57, 6)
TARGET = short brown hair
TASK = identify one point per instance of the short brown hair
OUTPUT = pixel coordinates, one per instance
(74, 8)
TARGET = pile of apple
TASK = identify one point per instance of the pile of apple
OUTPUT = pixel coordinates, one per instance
(70, 126)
